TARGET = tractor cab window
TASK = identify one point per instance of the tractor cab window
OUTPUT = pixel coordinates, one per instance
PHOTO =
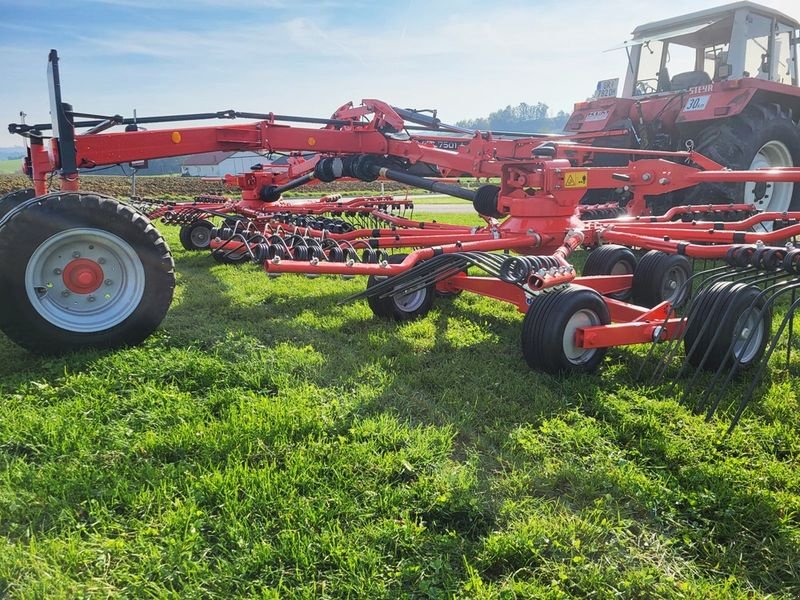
(783, 55)
(757, 59)
(716, 63)
(666, 66)
(649, 68)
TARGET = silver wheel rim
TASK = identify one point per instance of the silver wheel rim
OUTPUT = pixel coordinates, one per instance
(749, 332)
(621, 268)
(200, 236)
(411, 301)
(672, 287)
(574, 353)
(778, 196)
(61, 265)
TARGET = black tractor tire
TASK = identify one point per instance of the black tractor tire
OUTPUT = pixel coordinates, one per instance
(720, 319)
(14, 198)
(401, 307)
(196, 236)
(611, 259)
(734, 143)
(659, 277)
(121, 283)
(546, 343)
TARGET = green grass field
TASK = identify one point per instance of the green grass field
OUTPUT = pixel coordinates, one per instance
(271, 442)
(10, 167)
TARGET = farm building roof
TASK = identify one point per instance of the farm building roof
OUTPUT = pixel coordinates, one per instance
(209, 158)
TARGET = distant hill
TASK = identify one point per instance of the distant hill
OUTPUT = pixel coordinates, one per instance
(12, 152)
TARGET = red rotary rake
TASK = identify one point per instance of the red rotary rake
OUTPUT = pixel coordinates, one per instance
(86, 270)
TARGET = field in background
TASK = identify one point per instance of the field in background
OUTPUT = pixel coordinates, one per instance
(274, 440)
(186, 188)
(8, 167)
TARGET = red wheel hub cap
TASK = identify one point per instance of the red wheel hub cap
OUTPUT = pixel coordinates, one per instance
(83, 276)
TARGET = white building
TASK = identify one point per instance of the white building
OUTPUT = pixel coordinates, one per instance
(217, 164)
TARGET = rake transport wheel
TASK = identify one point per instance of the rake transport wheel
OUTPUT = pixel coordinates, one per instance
(727, 326)
(659, 277)
(611, 259)
(11, 199)
(401, 307)
(80, 270)
(548, 330)
(761, 136)
(196, 236)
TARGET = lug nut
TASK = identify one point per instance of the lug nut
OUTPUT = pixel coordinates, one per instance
(108, 282)
(65, 293)
(101, 260)
(57, 271)
(91, 298)
(76, 254)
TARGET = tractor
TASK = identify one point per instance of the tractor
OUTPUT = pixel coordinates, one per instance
(722, 82)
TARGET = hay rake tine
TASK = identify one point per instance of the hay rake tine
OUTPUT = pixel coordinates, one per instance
(738, 276)
(718, 303)
(735, 367)
(762, 367)
(674, 343)
(774, 292)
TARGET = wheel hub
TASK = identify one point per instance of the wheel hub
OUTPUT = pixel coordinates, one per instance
(83, 276)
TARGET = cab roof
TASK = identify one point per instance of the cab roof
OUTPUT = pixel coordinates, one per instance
(711, 15)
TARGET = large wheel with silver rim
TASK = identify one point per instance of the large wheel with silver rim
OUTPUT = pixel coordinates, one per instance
(12, 199)
(82, 270)
(549, 330)
(761, 136)
(196, 235)
(403, 306)
(728, 326)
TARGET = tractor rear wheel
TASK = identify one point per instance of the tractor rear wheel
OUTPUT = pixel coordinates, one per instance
(11, 199)
(762, 136)
(549, 327)
(402, 306)
(82, 270)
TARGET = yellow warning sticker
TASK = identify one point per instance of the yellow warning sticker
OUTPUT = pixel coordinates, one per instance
(576, 179)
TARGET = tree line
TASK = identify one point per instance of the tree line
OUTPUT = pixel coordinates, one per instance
(524, 117)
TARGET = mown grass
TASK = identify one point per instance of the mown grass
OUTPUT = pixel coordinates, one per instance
(269, 441)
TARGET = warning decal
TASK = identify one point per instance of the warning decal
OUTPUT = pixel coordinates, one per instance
(576, 179)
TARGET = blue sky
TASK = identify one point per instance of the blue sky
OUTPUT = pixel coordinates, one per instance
(289, 56)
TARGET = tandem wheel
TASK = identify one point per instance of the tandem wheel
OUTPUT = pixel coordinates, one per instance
(402, 306)
(548, 330)
(611, 259)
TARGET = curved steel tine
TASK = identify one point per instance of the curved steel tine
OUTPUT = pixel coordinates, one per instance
(772, 293)
(762, 367)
